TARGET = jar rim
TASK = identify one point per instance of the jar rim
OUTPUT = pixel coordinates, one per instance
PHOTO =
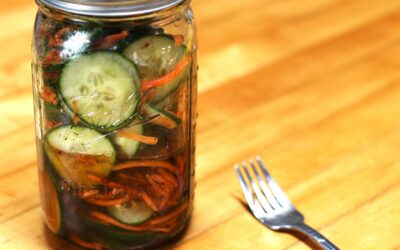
(110, 8)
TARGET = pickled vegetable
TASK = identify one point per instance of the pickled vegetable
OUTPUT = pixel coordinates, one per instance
(76, 152)
(102, 88)
(131, 212)
(128, 147)
(116, 141)
(157, 56)
(50, 202)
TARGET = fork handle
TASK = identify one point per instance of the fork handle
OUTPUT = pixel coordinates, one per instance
(318, 238)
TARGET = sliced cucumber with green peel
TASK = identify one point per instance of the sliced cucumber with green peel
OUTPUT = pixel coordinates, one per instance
(77, 152)
(50, 202)
(117, 238)
(132, 212)
(155, 56)
(127, 148)
(163, 118)
(102, 88)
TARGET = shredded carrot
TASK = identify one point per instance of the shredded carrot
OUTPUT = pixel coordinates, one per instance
(110, 220)
(104, 181)
(146, 198)
(171, 203)
(107, 203)
(156, 178)
(138, 137)
(169, 216)
(57, 40)
(147, 84)
(52, 57)
(110, 40)
(137, 178)
(161, 191)
(75, 118)
(89, 193)
(178, 39)
(140, 164)
(44, 29)
(51, 75)
(48, 95)
(90, 245)
(180, 163)
(173, 200)
(131, 191)
(164, 121)
(168, 178)
(51, 124)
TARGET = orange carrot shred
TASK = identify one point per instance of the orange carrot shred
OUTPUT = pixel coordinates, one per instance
(168, 216)
(90, 245)
(110, 220)
(89, 193)
(173, 200)
(120, 189)
(159, 189)
(51, 75)
(146, 198)
(172, 181)
(52, 57)
(156, 178)
(75, 118)
(57, 40)
(110, 40)
(133, 178)
(48, 95)
(51, 124)
(138, 137)
(106, 203)
(139, 164)
(164, 121)
(104, 181)
(178, 39)
(147, 84)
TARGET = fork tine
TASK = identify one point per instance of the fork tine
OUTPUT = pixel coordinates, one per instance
(267, 192)
(260, 196)
(276, 190)
(254, 205)
(246, 191)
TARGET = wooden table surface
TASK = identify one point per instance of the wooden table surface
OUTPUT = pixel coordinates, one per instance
(312, 86)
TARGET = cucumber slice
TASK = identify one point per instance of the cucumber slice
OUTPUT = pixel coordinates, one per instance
(76, 152)
(164, 118)
(50, 202)
(132, 212)
(113, 237)
(155, 56)
(127, 148)
(102, 88)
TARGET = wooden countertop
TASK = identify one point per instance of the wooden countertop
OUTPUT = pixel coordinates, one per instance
(311, 86)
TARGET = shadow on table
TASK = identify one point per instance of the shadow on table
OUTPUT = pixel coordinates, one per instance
(298, 235)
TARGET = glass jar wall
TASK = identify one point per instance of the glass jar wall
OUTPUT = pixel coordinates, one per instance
(115, 100)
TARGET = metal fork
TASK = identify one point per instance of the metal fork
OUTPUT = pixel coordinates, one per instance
(271, 206)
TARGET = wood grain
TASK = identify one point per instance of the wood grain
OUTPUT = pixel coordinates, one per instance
(311, 86)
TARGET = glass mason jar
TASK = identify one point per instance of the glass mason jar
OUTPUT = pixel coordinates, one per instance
(115, 88)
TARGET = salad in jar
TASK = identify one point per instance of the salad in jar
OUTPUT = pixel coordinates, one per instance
(114, 109)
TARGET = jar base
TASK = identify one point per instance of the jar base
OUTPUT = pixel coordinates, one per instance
(53, 238)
